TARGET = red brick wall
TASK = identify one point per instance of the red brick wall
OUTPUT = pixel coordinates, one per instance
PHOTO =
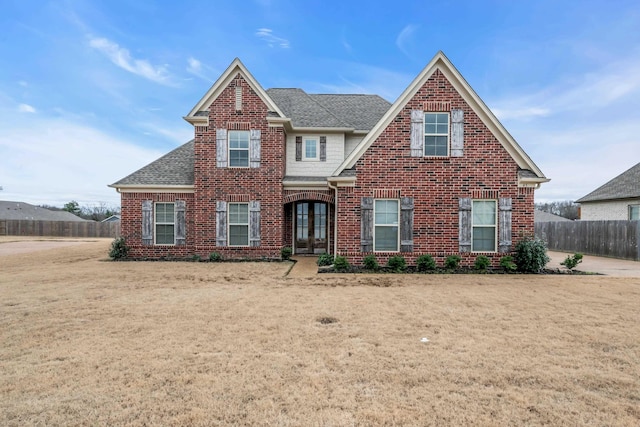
(131, 225)
(436, 184)
(263, 184)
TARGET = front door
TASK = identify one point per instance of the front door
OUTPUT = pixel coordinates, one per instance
(311, 228)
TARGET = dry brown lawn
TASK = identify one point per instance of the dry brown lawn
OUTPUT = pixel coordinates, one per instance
(86, 341)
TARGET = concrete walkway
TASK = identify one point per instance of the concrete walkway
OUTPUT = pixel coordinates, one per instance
(596, 264)
(305, 266)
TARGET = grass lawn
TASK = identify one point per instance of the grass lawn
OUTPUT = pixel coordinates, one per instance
(85, 341)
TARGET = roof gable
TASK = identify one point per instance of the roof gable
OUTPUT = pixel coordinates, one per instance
(442, 63)
(236, 67)
(623, 186)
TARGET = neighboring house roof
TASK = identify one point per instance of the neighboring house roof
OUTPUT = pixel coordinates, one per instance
(624, 186)
(112, 218)
(173, 169)
(442, 63)
(21, 210)
(542, 216)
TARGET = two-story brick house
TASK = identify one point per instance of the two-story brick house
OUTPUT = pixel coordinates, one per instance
(433, 173)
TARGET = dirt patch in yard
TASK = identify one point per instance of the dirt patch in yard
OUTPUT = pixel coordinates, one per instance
(86, 341)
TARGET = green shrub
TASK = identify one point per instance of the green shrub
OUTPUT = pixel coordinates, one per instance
(397, 263)
(215, 257)
(285, 253)
(119, 249)
(452, 262)
(425, 263)
(507, 263)
(325, 259)
(340, 263)
(531, 255)
(196, 258)
(370, 262)
(572, 261)
(482, 263)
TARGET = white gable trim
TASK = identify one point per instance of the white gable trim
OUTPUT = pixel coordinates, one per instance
(442, 63)
(223, 81)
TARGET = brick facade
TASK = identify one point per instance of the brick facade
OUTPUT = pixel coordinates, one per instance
(486, 170)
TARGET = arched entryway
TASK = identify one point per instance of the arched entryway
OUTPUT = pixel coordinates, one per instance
(310, 221)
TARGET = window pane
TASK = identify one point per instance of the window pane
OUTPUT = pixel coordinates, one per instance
(164, 234)
(238, 213)
(442, 128)
(386, 212)
(386, 238)
(634, 212)
(484, 239)
(442, 118)
(320, 220)
(484, 212)
(238, 139)
(164, 212)
(238, 235)
(430, 128)
(310, 149)
(239, 158)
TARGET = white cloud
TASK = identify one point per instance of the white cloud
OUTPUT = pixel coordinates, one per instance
(122, 58)
(404, 38)
(55, 161)
(198, 69)
(26, 108)
(272, 40)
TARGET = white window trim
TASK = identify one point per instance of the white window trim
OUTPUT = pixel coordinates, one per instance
(386, 225)
(229, 149)
(448, 134)
(316, 139)
(495, 227)
(229, 224)
(156, 223)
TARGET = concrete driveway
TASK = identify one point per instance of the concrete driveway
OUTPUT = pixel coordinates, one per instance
(601, 265)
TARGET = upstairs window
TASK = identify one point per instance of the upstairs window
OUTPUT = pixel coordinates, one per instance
(436, 134)
(165, 224)
(310, 151)
(239, 148)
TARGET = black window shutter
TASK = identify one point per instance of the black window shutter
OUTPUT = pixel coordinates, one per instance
(323, 148)
(298, 148)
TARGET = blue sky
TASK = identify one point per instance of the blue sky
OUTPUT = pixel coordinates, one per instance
(90, 91)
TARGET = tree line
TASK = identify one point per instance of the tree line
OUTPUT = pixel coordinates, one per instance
(96, 212)
(566, 208)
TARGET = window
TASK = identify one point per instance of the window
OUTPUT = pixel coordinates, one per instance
(239, 148)
(436, 134)
(484, 220)
(385, 230)
(238, 224)
(165, 224)
(634, 212)
(310, 151)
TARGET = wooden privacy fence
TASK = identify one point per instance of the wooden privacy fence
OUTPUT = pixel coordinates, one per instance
(616, 239)
(23, 227)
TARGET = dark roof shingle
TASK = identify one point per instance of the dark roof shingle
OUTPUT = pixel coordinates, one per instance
(624, 186)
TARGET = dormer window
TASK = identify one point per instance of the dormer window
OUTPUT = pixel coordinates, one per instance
(436, 134)
(239, 148)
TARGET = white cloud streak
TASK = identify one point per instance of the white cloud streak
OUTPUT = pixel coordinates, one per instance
(404, 38)
(122, 58)
(26, 108)
(271, 39)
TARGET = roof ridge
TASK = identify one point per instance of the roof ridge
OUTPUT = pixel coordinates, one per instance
(325, 109)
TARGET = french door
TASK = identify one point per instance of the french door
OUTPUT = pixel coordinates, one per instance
(311, 227)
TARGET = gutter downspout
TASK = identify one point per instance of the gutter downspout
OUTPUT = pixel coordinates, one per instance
(335, 220)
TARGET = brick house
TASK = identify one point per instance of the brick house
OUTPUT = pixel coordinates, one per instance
(618, 199)
(433, 173)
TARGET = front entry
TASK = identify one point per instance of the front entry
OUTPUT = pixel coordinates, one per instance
(311, 227)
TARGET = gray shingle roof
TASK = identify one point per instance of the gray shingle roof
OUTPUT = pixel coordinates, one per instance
(542, 216)
(303, 110)
(624, 186)
(174, 168)
(21, 210)
(361, 112)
